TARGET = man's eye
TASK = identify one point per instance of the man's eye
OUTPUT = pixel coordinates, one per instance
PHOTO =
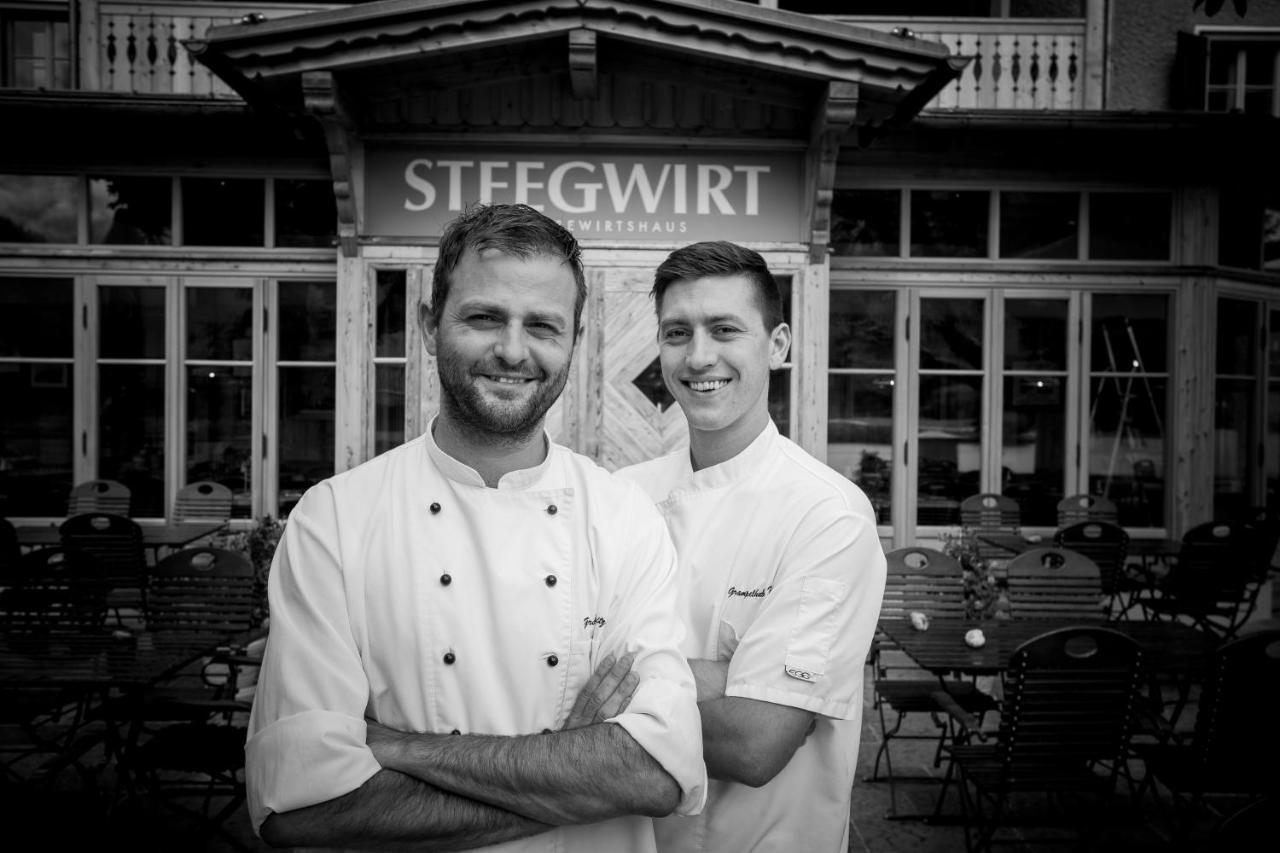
(725, 330)
(674, 335)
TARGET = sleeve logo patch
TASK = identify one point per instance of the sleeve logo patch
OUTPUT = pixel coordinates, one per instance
(802, 674)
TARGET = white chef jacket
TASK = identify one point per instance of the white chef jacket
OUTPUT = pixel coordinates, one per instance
(782, 575)
(407, 592)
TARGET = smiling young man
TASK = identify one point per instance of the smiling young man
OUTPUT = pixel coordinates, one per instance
(781, 570)
(436, 610)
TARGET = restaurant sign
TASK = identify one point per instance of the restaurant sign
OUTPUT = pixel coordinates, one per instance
(680, 196)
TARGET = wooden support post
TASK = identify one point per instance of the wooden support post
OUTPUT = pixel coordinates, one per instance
(832, 119)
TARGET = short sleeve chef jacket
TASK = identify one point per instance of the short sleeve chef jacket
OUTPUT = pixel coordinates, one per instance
(782, 574)
(407, 592)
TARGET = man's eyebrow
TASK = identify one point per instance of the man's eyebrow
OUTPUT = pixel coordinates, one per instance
(714, 320)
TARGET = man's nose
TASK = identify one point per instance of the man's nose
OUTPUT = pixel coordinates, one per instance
(701, 353)
(511, 346)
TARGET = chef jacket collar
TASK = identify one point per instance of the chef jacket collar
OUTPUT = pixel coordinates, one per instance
(460, 472)
(738, 467)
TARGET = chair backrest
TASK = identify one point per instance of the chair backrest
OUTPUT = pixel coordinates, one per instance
(1076, 508)
(114, 540)
(99, 496)
(1217, 561)
(1105, 543)
(202, 591)
(1235, 730)
(923, 579)
(1054, 583)
(989, 511)
(203, 500)
(54, 591)
(1070, 696)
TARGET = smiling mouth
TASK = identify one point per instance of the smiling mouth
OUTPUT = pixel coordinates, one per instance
(706, 385)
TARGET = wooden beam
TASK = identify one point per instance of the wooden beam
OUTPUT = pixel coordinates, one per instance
(582, 64)
(832, 119)
(321, 99)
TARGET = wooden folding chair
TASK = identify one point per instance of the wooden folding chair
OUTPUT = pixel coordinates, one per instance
(1107, 544)
(990, 513)
(116, 542)
(110, 496)
(1055, 583)
(1074, 509)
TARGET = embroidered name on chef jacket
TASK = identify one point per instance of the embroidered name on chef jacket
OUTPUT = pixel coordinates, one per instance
(758, 592)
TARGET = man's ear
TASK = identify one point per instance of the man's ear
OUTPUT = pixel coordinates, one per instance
(427, 323)
(779, 345)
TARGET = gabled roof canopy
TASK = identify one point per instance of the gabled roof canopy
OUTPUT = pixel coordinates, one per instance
(765, 47)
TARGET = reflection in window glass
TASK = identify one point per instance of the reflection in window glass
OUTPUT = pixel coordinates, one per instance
(222, 211)
(1235, 395)
(306, 442)
(780, 400)
(950, 446)
(131, 413)
(36, 443)
(860, 434)
(866, 223)
(388, 410)
(308, 321)
(36, 320)
(1034, 428)
(38, 208)
(389, 325)
(1035, 334)
(1039, 225)
(131, 211)
(1127, 404)
(862, 324)
(219, 430)
(220, 323)
(1130, 226)
(1271, 236)
(949, 223)
(131, 322)
(1272, 454)
(951, 334)
(306, 214)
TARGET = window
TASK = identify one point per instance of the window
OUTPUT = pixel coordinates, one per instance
(35, 46)
(306, 214)
(391, 316)
(1038, 225)
(1229, 70)
(222, 212)
(1235, 408)
(305, 378)
(131, 210)
(37, 445)
(38, 208)
(780, 379)
(1130, 226)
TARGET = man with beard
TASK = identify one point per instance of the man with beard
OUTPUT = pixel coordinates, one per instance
(781, 570)
(436, 610)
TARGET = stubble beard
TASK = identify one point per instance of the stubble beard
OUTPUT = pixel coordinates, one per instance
(503, 424)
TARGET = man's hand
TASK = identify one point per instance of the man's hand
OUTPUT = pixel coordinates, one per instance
(606, 694)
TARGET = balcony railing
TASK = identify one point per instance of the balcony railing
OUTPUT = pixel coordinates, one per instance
(136, 48)
(1017, 64)
(1022, 64)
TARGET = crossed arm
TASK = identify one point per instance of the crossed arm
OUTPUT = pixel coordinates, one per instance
(458, 792)
(745, 740)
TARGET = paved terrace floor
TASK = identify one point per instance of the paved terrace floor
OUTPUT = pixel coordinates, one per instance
(60, 818)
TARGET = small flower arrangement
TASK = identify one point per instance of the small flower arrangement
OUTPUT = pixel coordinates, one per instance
(985, 594)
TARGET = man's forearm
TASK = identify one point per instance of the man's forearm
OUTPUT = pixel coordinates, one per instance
(392, 811)
(710, 677)
(572, 776)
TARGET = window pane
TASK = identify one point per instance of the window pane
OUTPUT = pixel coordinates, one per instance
(1034, 445)
(950, 446)
(780, 400)
(860, 435)
(1039, 225)
(306, 214)
(131, 411)
(308, 321)
(390, 321)
(866, 223)
(306, 431)
(222, 211)
(41, 51)
(949, 223)
(38, 209)
(131, 210)
(1035, 334)
(131, 322)
(1260, 63)
(220, 323)
(951, 334)
(1130, 332)
(1233, 440)
(1129, 226)
(1271, 236)
(36, 444)
(36, 317)
(1237, 336)
(862, 324)
(1126, 446)
(219, 430)
(389, 407)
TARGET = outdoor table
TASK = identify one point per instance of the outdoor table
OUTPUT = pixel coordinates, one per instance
(173, 535)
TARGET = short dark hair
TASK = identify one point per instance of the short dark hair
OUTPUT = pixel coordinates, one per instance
(721, 258)
(513, 229)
